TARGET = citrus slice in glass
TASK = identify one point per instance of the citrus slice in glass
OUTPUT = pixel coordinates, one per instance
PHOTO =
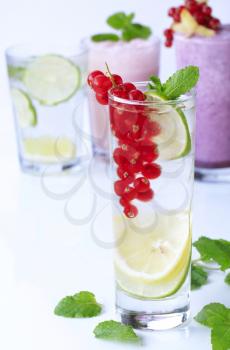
(153, 264)
(25, 110)
(52, 79)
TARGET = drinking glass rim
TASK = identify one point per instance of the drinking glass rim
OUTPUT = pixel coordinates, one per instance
(188, 97)
(24, 50)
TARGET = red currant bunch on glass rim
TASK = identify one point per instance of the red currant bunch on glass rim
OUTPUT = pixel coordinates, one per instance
(136, 150)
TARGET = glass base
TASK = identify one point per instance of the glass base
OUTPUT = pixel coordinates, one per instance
(161, 314)
(38, 168)
(212, 175)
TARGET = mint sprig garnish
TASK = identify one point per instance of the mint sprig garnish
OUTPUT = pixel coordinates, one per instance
(128, 29)
(178, 84)
(217, 317)
(82, 304)
(199, 277)
(116, 331)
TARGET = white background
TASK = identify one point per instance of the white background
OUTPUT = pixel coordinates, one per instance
(43, 256)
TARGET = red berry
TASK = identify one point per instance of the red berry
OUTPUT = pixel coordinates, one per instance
(141, 184)
(214, 23)
(168, 33)
(117, 79)
(121, 187)
(124, 174)
(119, 92)
(123, 202)
(130, 194)
(145, 196)
(102, 98)
(101, 84)
(151, 171)
(200, 18)
(129, 86)
(92, 75)
(192, 6)
(149, 153)
(119, 156)
(168, 43)
(133, 167)
(172, 11)
(207, 10)
(150, 129)
(130, 211)
(136, 95)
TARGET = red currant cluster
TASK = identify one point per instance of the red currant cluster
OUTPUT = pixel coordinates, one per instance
(134, 130)
(200, 11)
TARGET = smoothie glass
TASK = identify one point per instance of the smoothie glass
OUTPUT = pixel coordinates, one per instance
(46, 87)
(211, 55)
(153, 246)
(125, 58)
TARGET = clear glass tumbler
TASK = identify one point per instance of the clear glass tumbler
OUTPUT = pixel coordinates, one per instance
(152, 157)
(46, 85)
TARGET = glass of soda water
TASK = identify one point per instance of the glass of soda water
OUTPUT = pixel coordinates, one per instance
(47, 91)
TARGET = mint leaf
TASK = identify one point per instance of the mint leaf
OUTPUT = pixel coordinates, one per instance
(214, 250)
(116, 331)
(119, 20)
(134, 31)
(227, 278)
(181, 82)
(217, 317)
(82, 304)
(199, 277)
(105, 37)
(155, 83)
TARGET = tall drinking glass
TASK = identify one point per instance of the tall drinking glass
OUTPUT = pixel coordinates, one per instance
(46, 87)
(152, 157)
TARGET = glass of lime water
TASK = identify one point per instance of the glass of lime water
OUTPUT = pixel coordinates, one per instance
(152, 158)
(47, 90)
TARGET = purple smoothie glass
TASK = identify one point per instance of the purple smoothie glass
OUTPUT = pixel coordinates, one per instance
(212, 56)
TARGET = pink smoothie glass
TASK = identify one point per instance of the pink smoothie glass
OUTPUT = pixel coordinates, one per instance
(136, 60)
(212, 56)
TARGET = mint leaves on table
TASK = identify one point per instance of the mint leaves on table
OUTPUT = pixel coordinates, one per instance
(82, 304)
(123, 23)
(217, 317)
(178, 84)
(212, 251)
(115, 331)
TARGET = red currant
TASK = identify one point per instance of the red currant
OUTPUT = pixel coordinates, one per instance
(124, 174)
(117, 79)
(136, 95)
(141, 184)
(101, 84)
(129, 86)
(207, 10)
(119, 156)
(200, 17)
(214, 23)
(123, 202)
(130, 211)
(92, 75)
(150, 129)
(168, 43)
(121, 187)
(149, 153)
(172, 11)
(168, 33)
(145, 196)
(102, 98)
(119, 92)
(151, 171)
(130, 194)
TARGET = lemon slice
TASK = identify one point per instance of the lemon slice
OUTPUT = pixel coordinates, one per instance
(52, 79)
(153, 264)
(48, 149)
(174, 140)
(25, 110)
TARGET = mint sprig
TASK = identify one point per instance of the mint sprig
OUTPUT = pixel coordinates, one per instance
(128, 29)
(217, 317)
(116, 331)
(178, 84)
(82, 304)
(227, 279)
(199, 277)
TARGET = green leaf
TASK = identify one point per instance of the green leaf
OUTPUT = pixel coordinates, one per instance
(199, 277)
(119, 20)
(116, 331)
(181, 82)
(156, 83)
(214, 250)
(220, 337)
(82, 304)
(227, 278)
(134, 31)
(214, 314)
(105, 37)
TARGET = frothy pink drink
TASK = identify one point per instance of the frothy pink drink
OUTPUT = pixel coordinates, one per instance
(212, 56)
(136, 60)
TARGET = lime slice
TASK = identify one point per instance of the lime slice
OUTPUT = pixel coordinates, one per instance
(25, 110)
(153, 264)
(174, 140)
(48, 149)
(52, 79)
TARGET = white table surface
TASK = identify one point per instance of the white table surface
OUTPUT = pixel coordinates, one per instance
(48, 250)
